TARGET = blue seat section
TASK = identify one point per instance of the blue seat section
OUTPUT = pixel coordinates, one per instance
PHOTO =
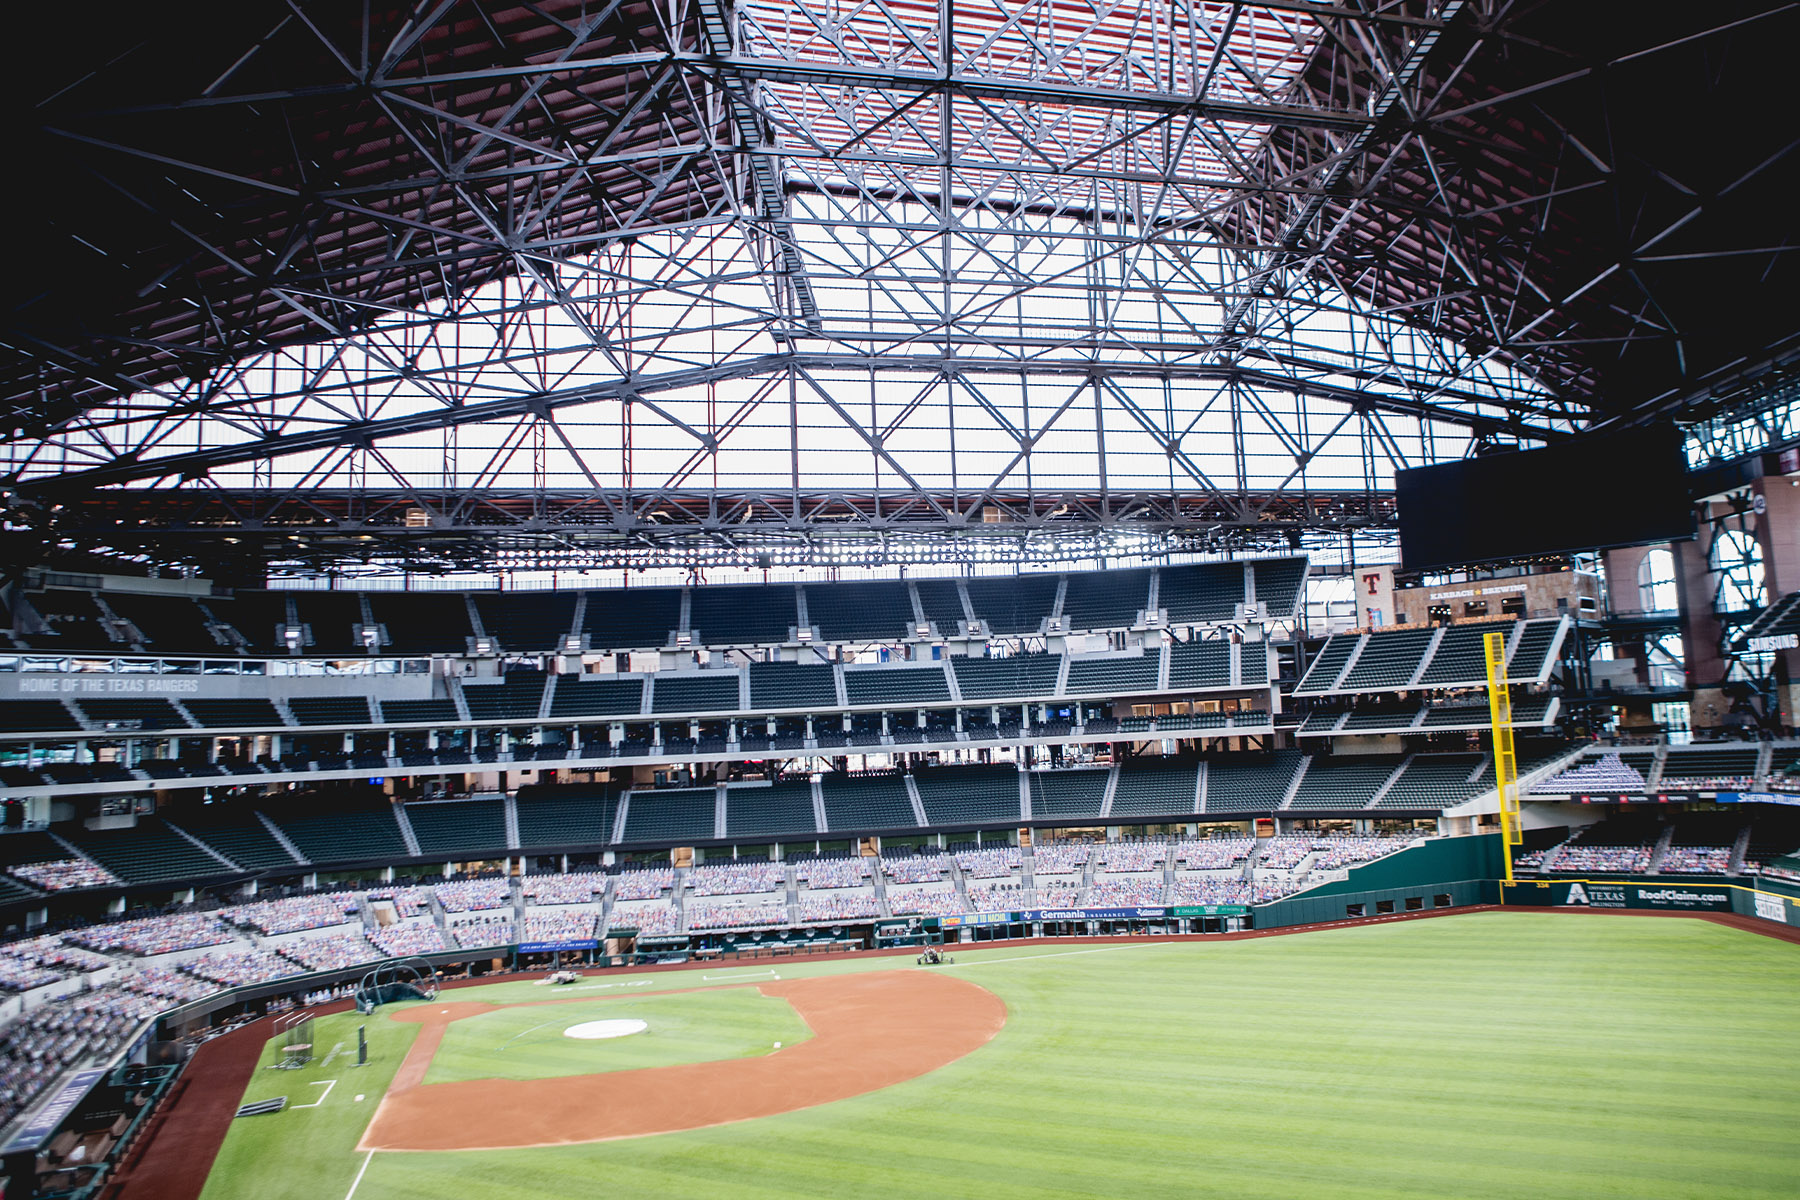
(1075, 794)
(1019, 675)
(742, 615)
(1249, 783)
(596, 696)
(783, 809)
(970, 796)
(517, 697)
(632, 618)
(1280, 583)
(1343, 783)
(1013, 604)
(678, 816)
(896, 685)
(422, 622)
(942, 604)
(234, 831)
(149, 853)
(792, 685)
(1114, 676)
(1105, 599)
(714, 691)
(567, 815)
(1155, 788)
(1200, 592)
(866, 803)
(459, 828)
(1200, 665)
(527, 621)
(877, 611)
(328, 829)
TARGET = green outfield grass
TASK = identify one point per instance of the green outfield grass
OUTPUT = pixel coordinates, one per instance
(528, 1042)
(1478, 1055)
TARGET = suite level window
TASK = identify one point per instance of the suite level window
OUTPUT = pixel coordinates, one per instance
(1474, 608)
(1438, 612)
(1514, 605)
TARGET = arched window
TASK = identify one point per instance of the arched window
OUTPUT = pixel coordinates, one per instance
(1737, 571)
(1656, 582)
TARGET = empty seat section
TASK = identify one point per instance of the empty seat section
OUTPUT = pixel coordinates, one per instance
(235, 714)
(1454, 715)
(969, 796)
(1075, 794)
(571, 816)
(168, 624)
(256, 616)
(1531, 657)
(995, 678)
(422, 622)
(1279, 583)
(942, 603)
(896, 685)
(435, 711)
(715, 691)
(1322, 675)
(31, 716)
(1114, 676)
(234, 831)
(792, 685)
(133, 714)
(632, 618)
(1200, 665)
(1460, 658)
(474, 828)
(526, 621)
(73, 622)
(1375, 719)
(1728, 770)
(1105, 599)
(516, 697)
(1155, 789)
(742, 615)
(1200, 592)
(1015, 604)
(878, 611)
(679, 815)
(1249, 784)
(330, 710)
(330, 619)
(856, 803)
(1434, 781)
(1333, 783)
(1254, 663)
(586, 696)
(782, 809)
(149, 853)
(341, 835)
(1389, 660)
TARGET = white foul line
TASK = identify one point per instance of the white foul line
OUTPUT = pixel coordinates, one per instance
(359, 1175)
(742, 978)
(327, 1084)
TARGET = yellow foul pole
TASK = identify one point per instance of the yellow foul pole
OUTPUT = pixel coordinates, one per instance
(1506, 766)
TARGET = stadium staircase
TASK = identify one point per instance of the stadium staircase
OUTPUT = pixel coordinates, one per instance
(1087, 873)
(366, 912)
(1384, 789)
(1293, 787)
(201, 846)
(280, 837)
(678, 901)
(1653, 777)
(406, 831)
(881, 896)
(961, 882)
(443, 921)
(790, 891)
(1168, 873)
(1661, 850)
(1739, 849)
(607, 897)
(509, 808)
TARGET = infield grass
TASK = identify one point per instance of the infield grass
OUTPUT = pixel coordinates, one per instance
(528, 1043)
(1476, 1055)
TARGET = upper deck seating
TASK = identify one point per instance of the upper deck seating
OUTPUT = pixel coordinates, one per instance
(596, 696)
(346, 711)
(1389, 660)
(942, 602)
(1014, 604)
(167, 624)
(1343, 783)
(438, 712)
(1322, 675)
(459, 828)
(572, 815)
(1434, 781)
(866, 802)
(970, 795)
(1155, 787)
(877, 611)
(783, 809)
(1249, 783)
(1076, 794)
(235, 714)
(1531, 657)
(924, 684)
(1200, 665)
(632, 618)
(1114, 676)
(331, 619)
(527, 621)
(709, 691)
(515, 697)
(132, 713)
(1200, 592)
(792, 685)
(742, 614)
(680, 816)
(422, 622)
(1105, 599)
(1279, 583)
(1020, 675)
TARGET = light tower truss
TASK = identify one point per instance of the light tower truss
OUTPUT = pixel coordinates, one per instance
(690, 275)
